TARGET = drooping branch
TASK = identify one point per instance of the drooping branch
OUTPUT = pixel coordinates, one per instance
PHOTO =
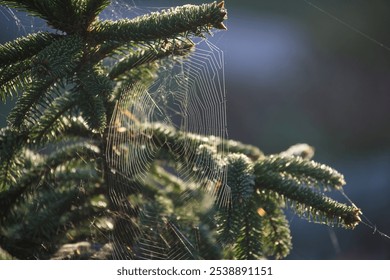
(305, 201)
(25, 47)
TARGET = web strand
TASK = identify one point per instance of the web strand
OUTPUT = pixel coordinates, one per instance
(349, 26)
(367, 221)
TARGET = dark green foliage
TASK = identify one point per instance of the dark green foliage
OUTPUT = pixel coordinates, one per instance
(52, 122)
(146, 56)
(13, 78)
(11, 157)
(55, 62)
(82, 177)
(317, 175)
(186, 20)
(244, 233)
(25, 47)
(70, 16)
(275, 234)
(95, 88)
(294, 185)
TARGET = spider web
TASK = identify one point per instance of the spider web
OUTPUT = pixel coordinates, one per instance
(188, 96)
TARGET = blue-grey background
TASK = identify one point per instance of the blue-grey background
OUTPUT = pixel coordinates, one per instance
(297, 74)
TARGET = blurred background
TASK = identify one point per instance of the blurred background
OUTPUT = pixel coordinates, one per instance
(306, 72)
(318, 75)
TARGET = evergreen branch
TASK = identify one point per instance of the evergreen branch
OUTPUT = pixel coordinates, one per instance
(93, 8)
(13, 155)
(64, 128)
(79, 221)
(58, 208)
(161, 25)
(276, 242)
(11, 159)
(135, 59)
(198, 158)
(232, 146)
(25, 47)
(240, 224)
(143, 75)
(318, 174)
(299, 150)
(65, 15)
(76, 127)
(83, 150)
(248, 244)
(87, 174)
(108, 49)
(145, 56)
(45, 167)
(14, 78)
(94, 89)
(304, 200)
(275, 233)
(192, 149)
(63, 155)
(52, 122)
(196, 231)
(197, 153)
(60, 58)
(168, 134)
(55, 62)
(20, 115)
(240, 178)
(241, 182)
(47, 212)
(200, 162)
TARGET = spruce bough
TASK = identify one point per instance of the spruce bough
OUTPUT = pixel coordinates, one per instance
(58, 189)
